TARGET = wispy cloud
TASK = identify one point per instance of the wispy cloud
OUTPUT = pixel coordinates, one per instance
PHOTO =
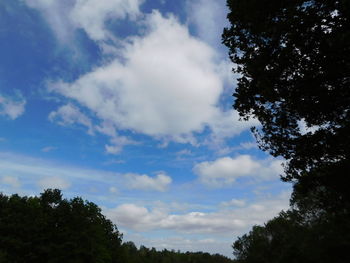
(234, 203)
(66, 16)
(53, 182)
(12, 107)
(10, 181)
(91, 15)
(43, 173)
(68, 115)
(114, 161)
(117, 143)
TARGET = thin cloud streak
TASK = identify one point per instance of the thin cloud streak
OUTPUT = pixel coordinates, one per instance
(47, 174)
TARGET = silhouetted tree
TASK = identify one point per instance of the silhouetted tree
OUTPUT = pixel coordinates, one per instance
(52, 229)
(293, 237)
(294, 58)
(146, 255)
(294, 61)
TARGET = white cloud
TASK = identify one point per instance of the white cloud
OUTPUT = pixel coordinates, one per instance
(69, 115)
(222, 222)
(12, 107)
(64, 16)
(53, 182)
(167, 83)
(11, 181)
(224, 171)
(168, 87)
(91, 15)
(144, 182)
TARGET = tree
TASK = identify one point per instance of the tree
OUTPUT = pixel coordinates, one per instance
(291, 238)
(294, 61)
(52, 229)
(145, 255)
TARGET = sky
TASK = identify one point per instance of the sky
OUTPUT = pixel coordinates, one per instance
(128, 104)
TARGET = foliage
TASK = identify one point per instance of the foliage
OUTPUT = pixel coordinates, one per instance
(264, 243)
(325, 189)
(295, 237)
(145, 255)
(294, 61)
(51, 229)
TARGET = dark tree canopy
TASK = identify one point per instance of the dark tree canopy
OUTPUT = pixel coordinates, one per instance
(294, 61)
(52, 229)
(130, 254)
(294, 237)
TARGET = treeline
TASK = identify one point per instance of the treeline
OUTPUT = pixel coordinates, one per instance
(50, 229)
(131, 254)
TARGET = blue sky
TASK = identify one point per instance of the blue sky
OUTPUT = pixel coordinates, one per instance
(127, 103)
